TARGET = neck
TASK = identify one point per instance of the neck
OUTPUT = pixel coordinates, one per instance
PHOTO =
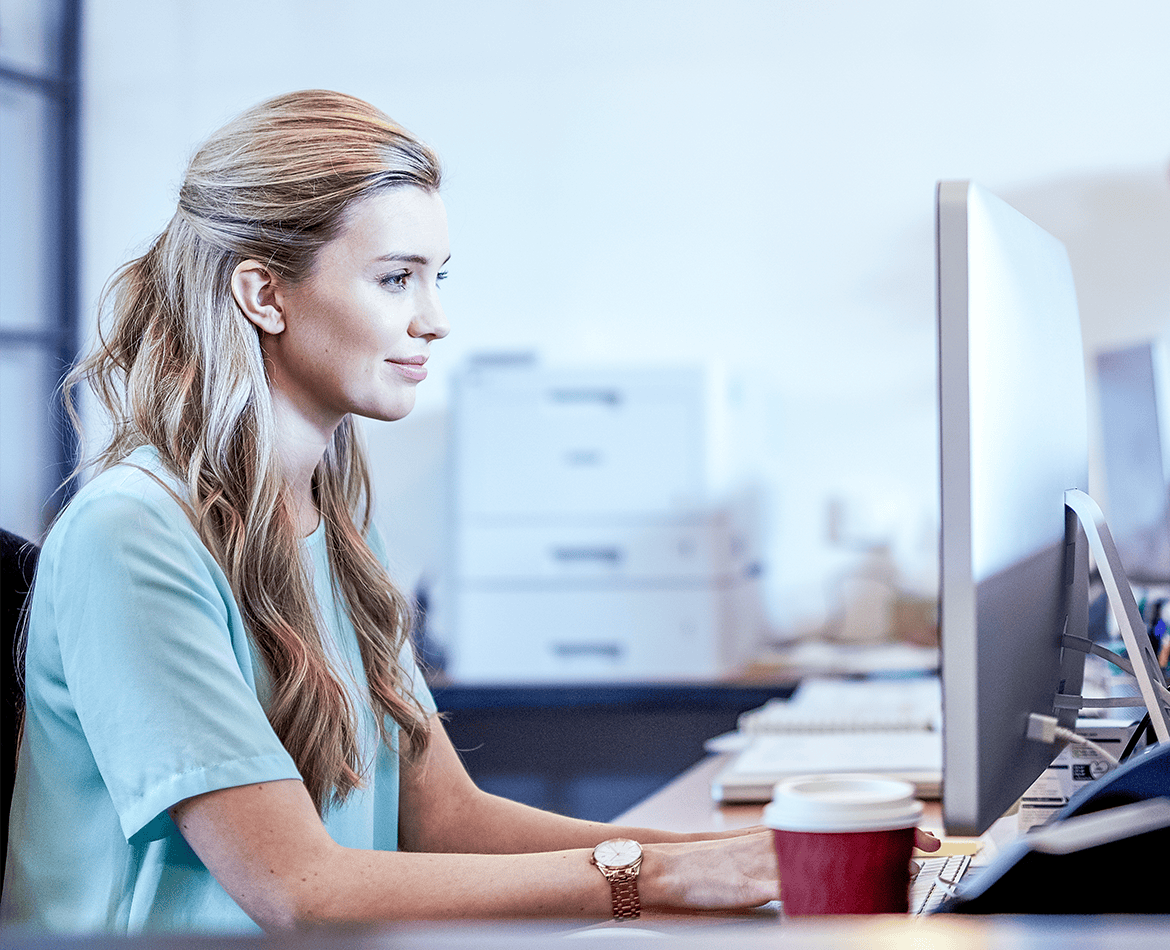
(302, 446)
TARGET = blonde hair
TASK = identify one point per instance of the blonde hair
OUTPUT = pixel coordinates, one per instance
(180, 368)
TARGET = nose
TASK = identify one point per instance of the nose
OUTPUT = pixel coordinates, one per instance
(430, 322)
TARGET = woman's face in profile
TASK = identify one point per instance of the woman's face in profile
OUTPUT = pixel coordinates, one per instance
(357, 331)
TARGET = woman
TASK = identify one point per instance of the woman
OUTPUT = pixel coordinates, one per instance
(225, 726)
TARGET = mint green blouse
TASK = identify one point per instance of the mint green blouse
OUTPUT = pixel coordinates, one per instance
(143, 689)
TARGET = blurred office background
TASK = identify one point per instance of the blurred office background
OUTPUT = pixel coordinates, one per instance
(737, 185)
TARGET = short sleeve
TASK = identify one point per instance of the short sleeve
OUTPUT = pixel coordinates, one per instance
(156, 661)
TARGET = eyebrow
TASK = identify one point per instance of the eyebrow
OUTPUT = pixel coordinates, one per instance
(419, 259)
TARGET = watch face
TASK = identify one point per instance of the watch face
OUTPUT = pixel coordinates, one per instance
(618, 852)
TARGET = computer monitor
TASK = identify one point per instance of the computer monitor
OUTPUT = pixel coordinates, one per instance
(1133, 385)
(1013, 438)
(1017, 525)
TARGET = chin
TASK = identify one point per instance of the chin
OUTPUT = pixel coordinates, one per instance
(391, 413)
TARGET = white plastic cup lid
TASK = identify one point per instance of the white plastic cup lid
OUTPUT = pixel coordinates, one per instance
(829, 803)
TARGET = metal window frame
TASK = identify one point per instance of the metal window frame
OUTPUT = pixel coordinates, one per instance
(59, 339)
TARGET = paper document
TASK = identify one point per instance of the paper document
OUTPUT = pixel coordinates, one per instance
(914, 756)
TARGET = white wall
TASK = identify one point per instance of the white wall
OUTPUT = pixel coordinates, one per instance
(735, 180)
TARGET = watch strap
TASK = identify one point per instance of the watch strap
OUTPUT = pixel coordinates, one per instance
(627, 905)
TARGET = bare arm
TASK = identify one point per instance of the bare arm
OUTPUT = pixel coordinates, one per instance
(268, 848)
(265, 844)
(442, 810)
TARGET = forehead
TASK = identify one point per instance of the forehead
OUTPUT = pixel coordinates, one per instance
(406, 221)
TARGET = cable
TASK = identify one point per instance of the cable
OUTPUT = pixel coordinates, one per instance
(1045, 729)
(1069, 736)
(1144, 725)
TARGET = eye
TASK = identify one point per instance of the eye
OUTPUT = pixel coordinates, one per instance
(397, 278)
(440, 277)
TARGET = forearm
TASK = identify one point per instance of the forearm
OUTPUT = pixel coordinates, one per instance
(351, 886)
(443, 811)
(376, 887)
(487, 824)
(266, 846)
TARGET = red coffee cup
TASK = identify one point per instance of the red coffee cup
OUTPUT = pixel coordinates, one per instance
(843, 843)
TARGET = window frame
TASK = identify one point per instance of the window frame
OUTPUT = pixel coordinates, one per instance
(57, 340)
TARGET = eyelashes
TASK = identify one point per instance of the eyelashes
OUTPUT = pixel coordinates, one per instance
(401, 277)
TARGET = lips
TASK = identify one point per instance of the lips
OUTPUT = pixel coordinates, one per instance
(411, 367)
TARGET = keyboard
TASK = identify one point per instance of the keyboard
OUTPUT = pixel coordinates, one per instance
(934, 880)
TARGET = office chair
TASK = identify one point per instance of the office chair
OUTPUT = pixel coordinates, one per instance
(18, 562)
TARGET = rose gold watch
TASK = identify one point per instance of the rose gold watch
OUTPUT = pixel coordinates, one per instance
(620, 860)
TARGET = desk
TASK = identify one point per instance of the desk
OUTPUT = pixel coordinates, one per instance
(873, 933)
(685, 804)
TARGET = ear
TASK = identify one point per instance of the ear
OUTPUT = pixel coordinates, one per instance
(254, 288)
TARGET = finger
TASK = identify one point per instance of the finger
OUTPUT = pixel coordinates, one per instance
(925, 841)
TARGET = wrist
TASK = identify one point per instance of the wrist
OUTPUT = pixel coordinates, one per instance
(657, 882)
(620, 862)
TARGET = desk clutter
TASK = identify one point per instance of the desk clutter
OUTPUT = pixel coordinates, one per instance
(1111, 816)
(585, 546)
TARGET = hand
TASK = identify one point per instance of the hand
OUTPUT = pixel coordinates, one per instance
(733, 873)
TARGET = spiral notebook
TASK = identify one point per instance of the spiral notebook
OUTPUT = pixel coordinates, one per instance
(887, 727)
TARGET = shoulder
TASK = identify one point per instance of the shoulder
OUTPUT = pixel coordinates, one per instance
(125, 552)
(131, 504)
(138, 481)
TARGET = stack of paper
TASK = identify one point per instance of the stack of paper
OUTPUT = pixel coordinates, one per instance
(887, 727)
(834, 705)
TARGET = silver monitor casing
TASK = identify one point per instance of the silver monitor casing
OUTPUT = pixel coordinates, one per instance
(1133, 384)
(1013, 439)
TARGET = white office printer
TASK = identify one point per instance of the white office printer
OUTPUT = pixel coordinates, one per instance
(585, 547)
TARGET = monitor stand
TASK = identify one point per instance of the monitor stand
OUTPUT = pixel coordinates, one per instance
(1143, 661)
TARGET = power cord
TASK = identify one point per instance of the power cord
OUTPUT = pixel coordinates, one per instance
(1046, 729)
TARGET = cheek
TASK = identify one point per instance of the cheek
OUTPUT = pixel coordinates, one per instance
(355, 324)
(333, 332)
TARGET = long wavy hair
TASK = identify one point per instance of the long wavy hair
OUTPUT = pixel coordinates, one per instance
(178, 366)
